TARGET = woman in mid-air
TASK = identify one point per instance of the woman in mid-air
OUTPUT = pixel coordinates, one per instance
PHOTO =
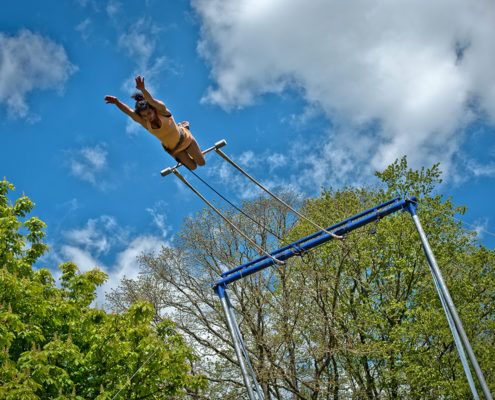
(152, 114)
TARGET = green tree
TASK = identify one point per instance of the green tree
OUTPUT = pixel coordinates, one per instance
(54, 345)
(358, 319)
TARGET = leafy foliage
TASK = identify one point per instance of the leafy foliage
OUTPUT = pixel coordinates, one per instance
(56, 346)
(358, 319)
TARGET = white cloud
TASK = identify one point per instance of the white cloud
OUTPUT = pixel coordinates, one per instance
(268, 161)
(93, 4)
(481, 170)
(480, 227)
(99, 235)
(126, 264)
(131, 128)
(84, 28)
(81, 257)
(394, 78)
(159, 217)
(29, 62)
(70, 205)
(103, 239)
(235, 182)
(139, 42)
(88, 163)
(113, 8)
(97, 156)
(247, 157)
(302, 118)
(276, 160)
(299, 170)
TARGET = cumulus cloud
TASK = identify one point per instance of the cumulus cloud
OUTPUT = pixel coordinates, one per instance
(247, 157)
(262, 167)
(127, 265)
(81, 257)
(159, 217)
(267, 161)
(29, 62)
(102, 243)
(139, 43)
(98, 235)
(225, 177)
(88, 163)
(394, 78)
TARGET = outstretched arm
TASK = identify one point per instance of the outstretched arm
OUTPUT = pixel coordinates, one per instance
(124, 108)
(157, 104)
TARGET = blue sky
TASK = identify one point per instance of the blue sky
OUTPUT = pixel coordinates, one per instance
(307, 94)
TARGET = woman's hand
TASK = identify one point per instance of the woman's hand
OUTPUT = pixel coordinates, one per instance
(139, 82)
(111, 99)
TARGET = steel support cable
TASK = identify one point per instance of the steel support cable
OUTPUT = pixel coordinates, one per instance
(128, 381)
(297, 250)
(237, 208)
(231, 162)
(260, 249)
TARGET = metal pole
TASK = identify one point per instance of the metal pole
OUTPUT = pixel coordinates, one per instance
(221, 292)
(260, 249)
(457, 341)
(334, 227)
(435, 270)
(231, 162)
(315, 240)
(256, 385)
(217, 145)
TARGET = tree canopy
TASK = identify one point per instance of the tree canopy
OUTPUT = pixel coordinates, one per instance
(358, 319)
(55, 345)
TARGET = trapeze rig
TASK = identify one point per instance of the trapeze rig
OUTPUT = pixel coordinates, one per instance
(301, 246)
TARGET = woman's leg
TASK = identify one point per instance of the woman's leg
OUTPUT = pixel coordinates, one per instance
(186, 159)
(195, 153)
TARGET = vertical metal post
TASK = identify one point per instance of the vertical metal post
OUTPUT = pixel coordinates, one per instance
(221, 292)
(255, 383)
(458, 342)
(447, 300)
